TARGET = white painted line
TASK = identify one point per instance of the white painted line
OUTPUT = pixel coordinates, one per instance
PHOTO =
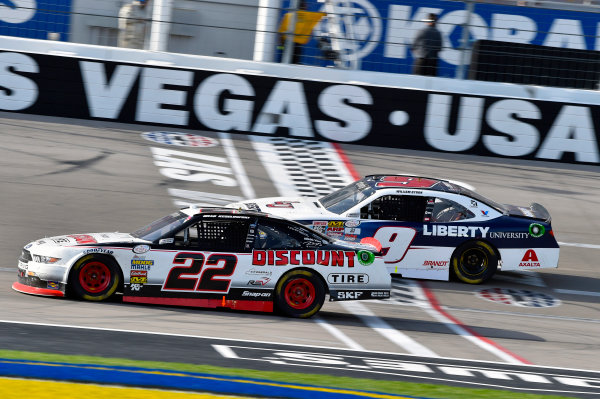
(386, 330)
(225, 351)
(575, 292)
(580, 245)
(8, 269)
(336, 332)
(236, 165)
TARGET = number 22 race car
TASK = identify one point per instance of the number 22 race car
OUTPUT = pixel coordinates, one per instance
(208, 257)
(428, 228)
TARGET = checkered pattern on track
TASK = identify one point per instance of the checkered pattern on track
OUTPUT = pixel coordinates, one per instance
(302, 168)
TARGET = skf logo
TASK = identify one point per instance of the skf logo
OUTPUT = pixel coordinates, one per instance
(530, 259)
(349, 294)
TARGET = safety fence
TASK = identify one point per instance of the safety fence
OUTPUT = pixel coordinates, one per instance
(370, 35)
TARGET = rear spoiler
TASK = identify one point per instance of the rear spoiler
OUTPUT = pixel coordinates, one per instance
(539, 212)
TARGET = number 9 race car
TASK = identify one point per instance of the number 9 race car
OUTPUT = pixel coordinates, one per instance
(428, 227)
(209, 257)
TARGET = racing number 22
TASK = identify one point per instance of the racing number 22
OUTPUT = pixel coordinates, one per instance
(193, 278)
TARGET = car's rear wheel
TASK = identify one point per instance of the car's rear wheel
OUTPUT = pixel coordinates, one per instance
(299, 293)
(94, 278)
(474, 262)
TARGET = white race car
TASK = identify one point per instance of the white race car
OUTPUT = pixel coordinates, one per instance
(209, 257)
(427, 227)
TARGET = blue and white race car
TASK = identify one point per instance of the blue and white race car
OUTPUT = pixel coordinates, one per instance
(428, 228)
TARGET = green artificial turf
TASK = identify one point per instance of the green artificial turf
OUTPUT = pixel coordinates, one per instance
(362, 384)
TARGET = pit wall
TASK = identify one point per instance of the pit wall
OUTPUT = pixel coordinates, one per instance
(244, 97)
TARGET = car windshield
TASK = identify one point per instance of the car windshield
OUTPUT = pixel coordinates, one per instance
(160, 227)
(342, 200)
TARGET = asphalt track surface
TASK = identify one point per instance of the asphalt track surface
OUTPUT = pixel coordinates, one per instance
(62, 176)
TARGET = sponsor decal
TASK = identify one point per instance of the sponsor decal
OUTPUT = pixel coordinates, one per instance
(485, 213)
(380, 294)
(435, 263)
(53, 285)
(282, 204)
(28, 246)
(408, 191)
(352, 230)
(348, 278)
(319, 223)
(530, 259)
(352, 223)
(259, 272)
(140, 249)
(536, 230)
(365, 258)
(138, 277)
(262, 281)
(504, 234)
(164, 241)
(308, 258)
(136, 287)
(335, 224)
(83, 238)
(180, 139)
(252, 206)
(516, 297)
(98, 251)
(61, 240)
(455, 231)
(256, 294)
(349, 294)
(473, 204)
(141, 264)
(350, 237)
(22, 265)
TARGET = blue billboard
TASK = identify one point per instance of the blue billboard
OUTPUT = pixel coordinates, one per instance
(36, 19)
(378, 33)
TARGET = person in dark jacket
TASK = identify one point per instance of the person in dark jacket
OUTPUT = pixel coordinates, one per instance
(425, 48)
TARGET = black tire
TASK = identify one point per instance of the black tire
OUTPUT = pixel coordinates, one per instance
(474, 262)
(94, 278)
(299, 293)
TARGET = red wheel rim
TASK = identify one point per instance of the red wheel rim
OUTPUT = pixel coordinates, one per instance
(300, 293)
(94, 277)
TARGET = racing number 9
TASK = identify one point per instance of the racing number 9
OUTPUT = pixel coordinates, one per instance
(206, 282)
(394, 242)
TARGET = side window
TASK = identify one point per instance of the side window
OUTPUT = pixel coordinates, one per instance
(214, 236)
(445, 210)
(406, 208)
(276, 235)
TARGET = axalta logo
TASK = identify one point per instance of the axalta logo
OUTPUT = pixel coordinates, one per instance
(455, 231)
(530, 259)
(285, 257)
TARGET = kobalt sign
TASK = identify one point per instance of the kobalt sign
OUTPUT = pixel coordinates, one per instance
(381, 116)
(379, 32)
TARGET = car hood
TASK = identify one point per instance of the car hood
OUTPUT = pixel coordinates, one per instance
(287, 207)
(89, 239)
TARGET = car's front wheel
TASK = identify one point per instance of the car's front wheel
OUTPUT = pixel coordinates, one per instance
(94, 278)
(474, 262)
(299, 293)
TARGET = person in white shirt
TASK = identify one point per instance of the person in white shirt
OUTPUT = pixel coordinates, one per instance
(133, 24)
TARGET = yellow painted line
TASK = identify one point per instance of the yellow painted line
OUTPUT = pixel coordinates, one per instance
(13, 388)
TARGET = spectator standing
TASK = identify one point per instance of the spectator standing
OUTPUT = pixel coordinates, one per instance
(425, 48)
(133, 24)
